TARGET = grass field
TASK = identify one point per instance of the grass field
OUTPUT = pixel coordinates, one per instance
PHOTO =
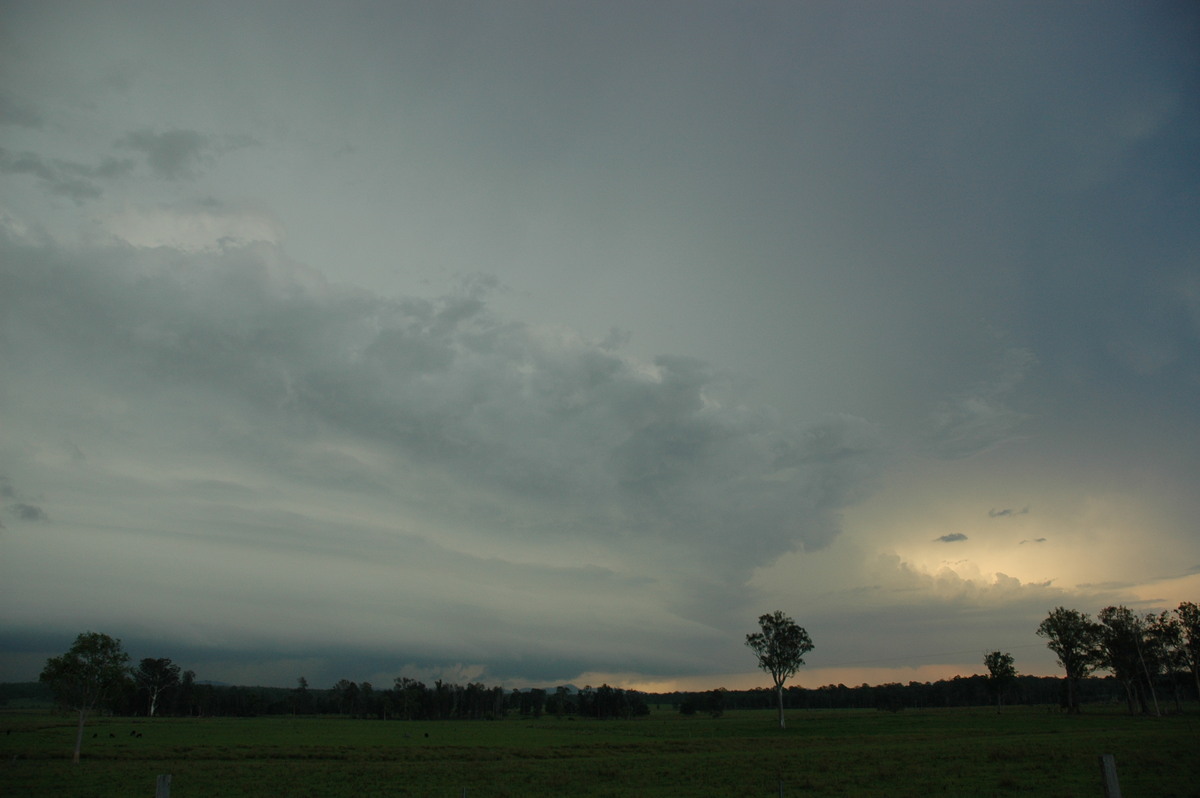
(971, 752)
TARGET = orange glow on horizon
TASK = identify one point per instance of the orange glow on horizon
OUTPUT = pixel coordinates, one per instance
(808, 678)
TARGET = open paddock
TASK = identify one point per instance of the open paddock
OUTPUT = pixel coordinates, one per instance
(953, 752)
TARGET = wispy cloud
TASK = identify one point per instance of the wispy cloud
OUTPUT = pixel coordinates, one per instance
(19, 507)
(28, 512)
(67, 178)
(179, 154)
(981, 418)
(1007, 512)
(18, 112)
(953, 537)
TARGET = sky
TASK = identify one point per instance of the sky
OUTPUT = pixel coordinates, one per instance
(536, 343)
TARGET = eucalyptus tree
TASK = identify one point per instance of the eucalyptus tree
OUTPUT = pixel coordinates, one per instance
(86, 675)
(1123, 647)
(301, 698)
(1001, 673)
(345, 692)
(367, 702)
(780, 645)
(1166, 633)
(1189, 625)
(156, 676)
(1075, 639)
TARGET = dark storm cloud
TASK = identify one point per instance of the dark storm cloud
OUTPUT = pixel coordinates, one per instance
(645, 449)
(972, 225)
(28, 512)
(68, 178)
(953, 537)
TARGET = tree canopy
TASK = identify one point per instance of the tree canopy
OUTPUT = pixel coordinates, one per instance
(1075, 639)
(1188, 616)
(156, 676)
(84, 676)
(780, 645)
(1001, 672)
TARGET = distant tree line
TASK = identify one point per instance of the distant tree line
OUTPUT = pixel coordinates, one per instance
(94, 676)
(412, 699)
(960, 691)
(407, 699)
(467, 702)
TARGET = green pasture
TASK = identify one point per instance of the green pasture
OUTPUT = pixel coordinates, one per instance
(958, 752)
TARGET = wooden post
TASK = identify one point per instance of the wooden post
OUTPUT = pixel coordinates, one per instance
(162, 789)
(1108, 770)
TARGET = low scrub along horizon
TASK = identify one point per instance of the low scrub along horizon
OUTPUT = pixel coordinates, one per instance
(976, 751)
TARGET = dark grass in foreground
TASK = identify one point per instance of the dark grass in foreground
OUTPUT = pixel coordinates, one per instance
(976, 752)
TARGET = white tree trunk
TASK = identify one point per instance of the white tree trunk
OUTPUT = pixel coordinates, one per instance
(79, 735)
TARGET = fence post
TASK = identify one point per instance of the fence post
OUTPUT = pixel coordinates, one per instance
(162, 788)
(1108, 770)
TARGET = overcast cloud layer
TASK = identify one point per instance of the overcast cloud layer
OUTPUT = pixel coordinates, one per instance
(536, 343)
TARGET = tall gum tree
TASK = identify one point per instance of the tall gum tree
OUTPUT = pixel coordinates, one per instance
(1075, 638)
(1001, 673)
(84, 676)
(156, 676)
(780, 646)
(1188, 614)
(1132, 653)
